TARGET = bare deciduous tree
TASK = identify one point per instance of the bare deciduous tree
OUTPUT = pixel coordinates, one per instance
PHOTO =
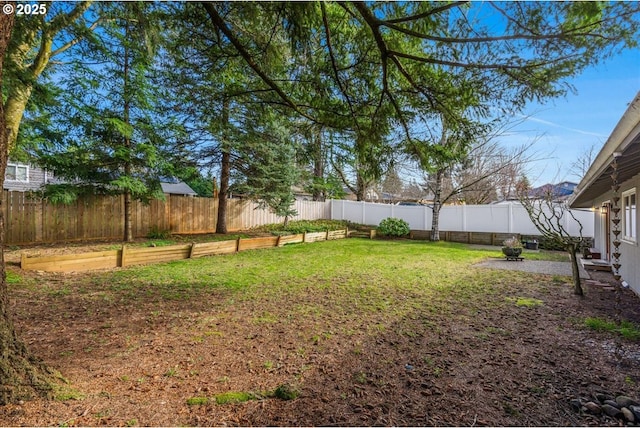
(487, 170)
(551, 219)
(581, 165)
(490, 172)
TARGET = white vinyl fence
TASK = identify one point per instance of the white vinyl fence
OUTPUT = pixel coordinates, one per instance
(499, 218)
(248, 214)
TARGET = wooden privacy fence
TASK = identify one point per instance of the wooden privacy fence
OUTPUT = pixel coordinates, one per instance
(128, 256)
(30, 220)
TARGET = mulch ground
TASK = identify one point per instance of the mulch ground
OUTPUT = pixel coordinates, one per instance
(139, 365)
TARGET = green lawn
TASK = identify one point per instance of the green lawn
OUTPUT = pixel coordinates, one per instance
(352, 276)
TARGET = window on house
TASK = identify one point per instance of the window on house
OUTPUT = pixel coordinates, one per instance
(630, 232)
(17, 173)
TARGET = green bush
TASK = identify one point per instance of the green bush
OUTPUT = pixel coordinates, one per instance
(301, 226)
(393, 227)
(156, 233)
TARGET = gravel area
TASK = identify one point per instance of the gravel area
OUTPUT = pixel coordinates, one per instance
(535, 266)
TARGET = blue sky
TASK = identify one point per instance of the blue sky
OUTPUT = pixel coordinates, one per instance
(566, 127)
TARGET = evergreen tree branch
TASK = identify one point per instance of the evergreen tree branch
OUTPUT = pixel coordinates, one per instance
(488, 39)
(426, 14)
(65, 19)
(479, 66)
(222, 26)
(75, 41)
(325, 22)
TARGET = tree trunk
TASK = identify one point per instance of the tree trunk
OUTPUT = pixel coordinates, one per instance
(572, 249)
(14, 110)
(318, 165)
(128, 229)
(20, 93)
(225, 170)
(128, 232)
(221, 224)
(360, 187)
(437, 205)
(22, 376)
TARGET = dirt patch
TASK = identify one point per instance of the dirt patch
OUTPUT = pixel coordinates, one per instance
(138, 364)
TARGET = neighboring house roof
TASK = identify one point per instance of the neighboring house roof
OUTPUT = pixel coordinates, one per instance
(178, 188)
(624, 143)
(370, 194)
(299, 191)
(556, 191)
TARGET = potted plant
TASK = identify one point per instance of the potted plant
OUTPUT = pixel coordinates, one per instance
(512, 247)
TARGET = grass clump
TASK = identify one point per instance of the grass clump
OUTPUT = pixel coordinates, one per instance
(526, 302)
(13, 278)
(283, 392)
(234, 397)
(286, 392)
(626, 329)
(66, 393)
(198, 401)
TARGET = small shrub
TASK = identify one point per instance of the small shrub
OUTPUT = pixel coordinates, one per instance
(393, 227)
(156, 233)
(512, 242)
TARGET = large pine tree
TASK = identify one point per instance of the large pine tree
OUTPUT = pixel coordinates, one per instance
(115, 139)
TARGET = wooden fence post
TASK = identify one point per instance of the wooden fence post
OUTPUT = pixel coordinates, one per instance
(122, 255)
(278, 240)
(193, 246)
(238, 244)
(304, 237)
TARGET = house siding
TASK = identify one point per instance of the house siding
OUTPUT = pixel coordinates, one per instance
(36, 178)
(630, 252)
